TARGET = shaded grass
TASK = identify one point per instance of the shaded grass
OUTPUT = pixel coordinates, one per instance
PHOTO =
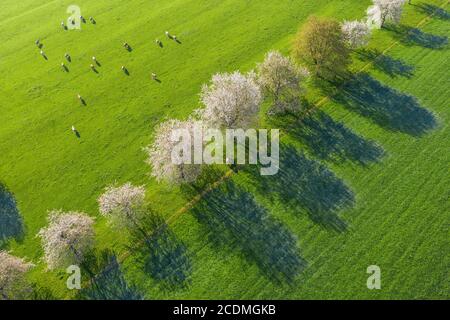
(395, 212)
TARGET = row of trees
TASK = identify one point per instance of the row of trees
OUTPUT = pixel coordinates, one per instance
(13, 281)
(229, 101)
(324, 45)
(69, 238)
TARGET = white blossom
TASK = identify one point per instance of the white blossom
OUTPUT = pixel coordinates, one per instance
(121, 205)
(13, 284)
(231, 100)
(67, 239)
(356, 33)
(161, 154)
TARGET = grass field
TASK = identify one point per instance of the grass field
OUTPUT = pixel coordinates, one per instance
(360, 183)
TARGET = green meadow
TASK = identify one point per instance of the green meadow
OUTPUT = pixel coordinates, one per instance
(364, 178)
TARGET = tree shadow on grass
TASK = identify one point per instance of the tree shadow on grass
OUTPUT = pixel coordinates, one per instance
(304, 185)
(234, 220)
(430, 9)
(163, 256)
(11, 224)
(107, 281)
(390, 66)
(329, 140)
(389, 108)
(414, 36)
